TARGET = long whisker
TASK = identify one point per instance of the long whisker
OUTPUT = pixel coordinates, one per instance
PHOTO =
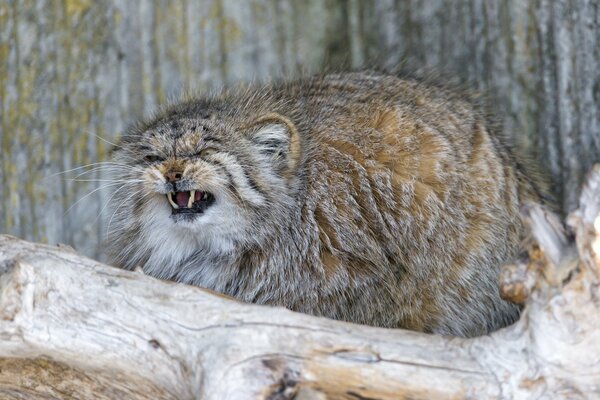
(101, 138)
(106, 180)
(90, 193)
(129, 157)
(128, 198)
(110, 168)
(235, 195)
(106, 203)
(108, 163)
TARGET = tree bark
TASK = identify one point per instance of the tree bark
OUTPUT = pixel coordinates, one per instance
(71, 327)
(75, 73)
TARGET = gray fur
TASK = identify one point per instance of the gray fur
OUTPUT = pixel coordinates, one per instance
(396, 209)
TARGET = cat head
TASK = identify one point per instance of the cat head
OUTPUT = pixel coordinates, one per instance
(195, 183)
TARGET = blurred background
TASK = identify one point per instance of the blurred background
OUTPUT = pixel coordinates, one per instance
(75, 73)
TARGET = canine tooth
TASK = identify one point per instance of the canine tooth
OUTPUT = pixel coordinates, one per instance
(191, 199)
(173, 204)
(204, 196)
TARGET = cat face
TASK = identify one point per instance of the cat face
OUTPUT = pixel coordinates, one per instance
(202, 183)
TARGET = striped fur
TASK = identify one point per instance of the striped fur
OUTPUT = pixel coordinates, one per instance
(359, 196)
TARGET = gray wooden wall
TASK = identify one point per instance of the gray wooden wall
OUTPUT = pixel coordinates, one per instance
(74, 73)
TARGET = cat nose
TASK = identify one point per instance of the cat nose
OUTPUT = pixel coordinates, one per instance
(173, 176)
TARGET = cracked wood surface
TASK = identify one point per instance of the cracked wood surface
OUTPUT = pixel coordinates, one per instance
(71, 327)
(192, 344)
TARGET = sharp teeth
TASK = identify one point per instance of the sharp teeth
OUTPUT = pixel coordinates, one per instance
(191, 199)
(173, 204)
(204, 196)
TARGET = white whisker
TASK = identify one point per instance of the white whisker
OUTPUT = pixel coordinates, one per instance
(128, 198)
(81, 167)
(107, 180)
(110, 169)
(106, 204)
(104, 140)
(90, 193)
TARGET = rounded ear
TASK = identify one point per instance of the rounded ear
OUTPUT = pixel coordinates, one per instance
(276, 138)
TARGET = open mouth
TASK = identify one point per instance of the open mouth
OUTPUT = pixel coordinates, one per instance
(193, 201)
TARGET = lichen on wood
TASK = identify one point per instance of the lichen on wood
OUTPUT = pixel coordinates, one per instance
(74, 74)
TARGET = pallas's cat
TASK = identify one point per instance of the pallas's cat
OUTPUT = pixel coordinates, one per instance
(357, 196)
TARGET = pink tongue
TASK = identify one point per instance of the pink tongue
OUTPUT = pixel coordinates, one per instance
(181, 198)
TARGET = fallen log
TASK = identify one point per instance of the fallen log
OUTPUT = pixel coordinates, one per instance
(73, 328)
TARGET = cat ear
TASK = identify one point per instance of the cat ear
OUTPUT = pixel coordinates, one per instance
(276, 138)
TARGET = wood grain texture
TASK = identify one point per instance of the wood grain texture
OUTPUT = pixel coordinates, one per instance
(192, 344)
(75, 73)
(71, 327)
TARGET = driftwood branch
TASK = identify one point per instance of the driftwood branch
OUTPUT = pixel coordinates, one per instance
(71, 327)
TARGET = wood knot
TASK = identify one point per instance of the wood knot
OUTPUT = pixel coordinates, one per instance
(517, 282)
(286, 388)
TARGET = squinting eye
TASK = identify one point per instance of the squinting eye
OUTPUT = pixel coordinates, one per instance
(206, 152)
(153, 159)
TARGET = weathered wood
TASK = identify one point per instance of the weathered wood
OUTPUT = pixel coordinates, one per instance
(71, 327)
(77, 70)
(192, 344)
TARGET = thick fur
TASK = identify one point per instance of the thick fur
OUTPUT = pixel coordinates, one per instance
(359, 196)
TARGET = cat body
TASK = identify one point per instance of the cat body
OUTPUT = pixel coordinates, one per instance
(359, 196)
